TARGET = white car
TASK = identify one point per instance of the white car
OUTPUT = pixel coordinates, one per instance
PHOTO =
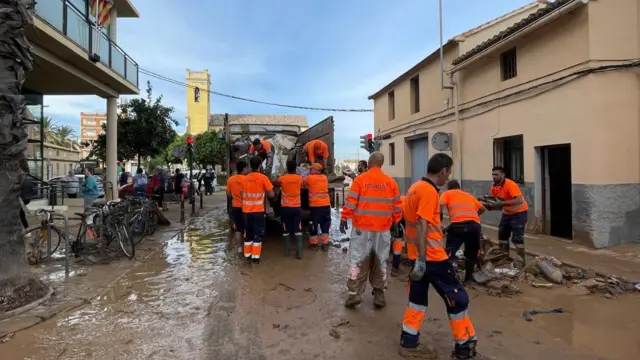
(59, 180)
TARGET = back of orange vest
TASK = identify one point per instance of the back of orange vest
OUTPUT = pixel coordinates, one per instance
(318, 186)
(290, 185)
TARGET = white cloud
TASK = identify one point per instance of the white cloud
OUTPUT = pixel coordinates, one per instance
(72, 106)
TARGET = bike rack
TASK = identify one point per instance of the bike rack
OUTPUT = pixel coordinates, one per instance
(64, 218)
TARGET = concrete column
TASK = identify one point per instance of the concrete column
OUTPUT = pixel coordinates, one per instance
(113, 28)
(112, 146)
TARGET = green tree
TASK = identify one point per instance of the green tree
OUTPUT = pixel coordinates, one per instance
(170, 152)
(16, 59)
(145, 131)
(63, 135)
(210, 149)
(48, 126)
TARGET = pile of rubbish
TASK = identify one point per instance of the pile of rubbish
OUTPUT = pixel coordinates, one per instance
(500, 273)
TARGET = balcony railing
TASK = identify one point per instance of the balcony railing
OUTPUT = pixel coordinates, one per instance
(76, 24)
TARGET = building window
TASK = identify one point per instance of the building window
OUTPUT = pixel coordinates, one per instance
(508, 152)
(89, 122)
(392, 154)
(392, 105)
(415, 94)
(509, 64)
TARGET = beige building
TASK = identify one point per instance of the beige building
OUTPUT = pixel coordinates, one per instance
(75, 58)
(90, 128)
(59, 159)
(550, 92)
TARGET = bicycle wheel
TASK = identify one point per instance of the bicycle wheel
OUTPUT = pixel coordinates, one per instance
(152, 222)
(126, 242)
(138, 226)
(96, 249)
(40, 234)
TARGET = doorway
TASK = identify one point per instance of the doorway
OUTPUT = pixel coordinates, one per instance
(557, 191)
(419, 158)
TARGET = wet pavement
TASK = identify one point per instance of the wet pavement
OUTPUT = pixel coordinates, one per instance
(192, 298)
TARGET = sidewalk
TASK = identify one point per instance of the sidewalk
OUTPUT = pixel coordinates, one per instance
(620, 261)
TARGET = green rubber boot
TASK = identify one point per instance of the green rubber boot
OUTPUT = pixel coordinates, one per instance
(299, 246)
(287, 245)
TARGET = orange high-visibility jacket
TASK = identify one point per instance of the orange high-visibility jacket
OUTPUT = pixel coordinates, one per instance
(234, 188)
(290, 185)
(310, 149)
(253, 189)
(318, 186)
(423, 201)
(266, 147)
(461, 206)
(373, 201)
(509, 190)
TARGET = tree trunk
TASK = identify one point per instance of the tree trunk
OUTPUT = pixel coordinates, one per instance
(15, 60)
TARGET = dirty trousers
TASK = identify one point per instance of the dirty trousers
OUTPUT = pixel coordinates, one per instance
(513, 226)
(368, 252)
(442, 277)
(320, 219)
(254, 230)
(467, 233)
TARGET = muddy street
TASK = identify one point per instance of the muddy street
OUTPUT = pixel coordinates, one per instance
(192, 298)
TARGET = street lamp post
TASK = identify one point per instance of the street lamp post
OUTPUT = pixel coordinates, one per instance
(190, 159)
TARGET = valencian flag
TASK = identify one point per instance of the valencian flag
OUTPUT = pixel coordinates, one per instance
(100, 9)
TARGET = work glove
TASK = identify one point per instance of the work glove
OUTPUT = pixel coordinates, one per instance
(394, 230)
(419, 269)
(343, 226)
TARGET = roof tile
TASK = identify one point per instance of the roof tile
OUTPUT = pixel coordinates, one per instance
(218, 119)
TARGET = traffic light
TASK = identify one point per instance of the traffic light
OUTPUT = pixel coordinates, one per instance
(366, 142)
(190, 144)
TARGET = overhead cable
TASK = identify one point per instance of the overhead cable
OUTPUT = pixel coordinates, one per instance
(179, 83)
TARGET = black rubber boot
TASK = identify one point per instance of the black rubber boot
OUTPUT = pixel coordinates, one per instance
(287, 245)
(470, 267)
(299, 246)
(465, 351)
(522, 253)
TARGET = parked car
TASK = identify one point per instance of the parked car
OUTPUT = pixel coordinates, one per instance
(60, 182)
(128, 190)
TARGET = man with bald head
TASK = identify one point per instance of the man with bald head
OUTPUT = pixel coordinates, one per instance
(374, 207)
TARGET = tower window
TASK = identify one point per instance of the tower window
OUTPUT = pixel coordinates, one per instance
(196, 94)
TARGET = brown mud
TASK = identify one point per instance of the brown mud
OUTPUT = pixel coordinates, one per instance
(22, 295)
(195, 299)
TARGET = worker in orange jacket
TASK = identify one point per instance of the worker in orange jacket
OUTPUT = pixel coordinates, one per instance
(290, 210)
(235, 185)
(464, 214)
(514, 211)
(319, 207)
(317, 152)
(264, 149)
(253, 190)
(373, 205)
(432, 268)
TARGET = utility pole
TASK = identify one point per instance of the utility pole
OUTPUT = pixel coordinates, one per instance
(191, 192)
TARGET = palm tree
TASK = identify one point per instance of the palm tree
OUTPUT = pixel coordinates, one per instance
(48, 125)
(15, 60)
(63, 135)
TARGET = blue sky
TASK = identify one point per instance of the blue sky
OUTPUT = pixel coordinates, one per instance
(329, 53)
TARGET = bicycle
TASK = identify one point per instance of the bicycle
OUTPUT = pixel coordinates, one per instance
(145, 220)
(47, 229)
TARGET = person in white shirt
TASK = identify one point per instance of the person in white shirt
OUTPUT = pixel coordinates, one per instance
(71, 185)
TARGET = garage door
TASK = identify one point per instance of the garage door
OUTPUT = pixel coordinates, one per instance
(419, 158)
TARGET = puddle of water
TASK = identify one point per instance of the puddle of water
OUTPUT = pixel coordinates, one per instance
(596, 325)
(156, 310)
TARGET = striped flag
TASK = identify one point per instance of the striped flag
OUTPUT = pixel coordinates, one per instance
(100, 9)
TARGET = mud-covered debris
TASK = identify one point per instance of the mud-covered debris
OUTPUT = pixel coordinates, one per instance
(339, 322)
(289, 288)
(541, 285)
(554, 261)
(580, 290)
(6, 337)
(276, 326)
(481, 277)
(507, 272)
(335, 333)
(550, 271)
(609, 296)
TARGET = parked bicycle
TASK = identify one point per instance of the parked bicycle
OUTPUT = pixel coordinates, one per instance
(143, 218)
(47, 229)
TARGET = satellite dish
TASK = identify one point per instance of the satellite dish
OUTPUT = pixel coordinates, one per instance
(441, 141)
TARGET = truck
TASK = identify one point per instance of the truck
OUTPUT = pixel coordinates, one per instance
(288, 142)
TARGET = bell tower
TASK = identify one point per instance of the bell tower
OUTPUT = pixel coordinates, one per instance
(198, 105)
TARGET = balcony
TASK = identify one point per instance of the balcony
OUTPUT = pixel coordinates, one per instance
(63, 31)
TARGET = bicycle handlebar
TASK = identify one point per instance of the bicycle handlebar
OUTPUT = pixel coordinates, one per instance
(40, 212)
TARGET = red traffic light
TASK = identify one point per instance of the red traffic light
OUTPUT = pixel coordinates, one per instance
(189, 140)
(369, 136)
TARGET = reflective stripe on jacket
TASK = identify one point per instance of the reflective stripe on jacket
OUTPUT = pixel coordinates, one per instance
(290, 185)
(318, 186)
(253, 188)
(423, 201)
(373, 201)
(461, 206)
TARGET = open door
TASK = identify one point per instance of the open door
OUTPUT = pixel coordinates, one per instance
(320, 131)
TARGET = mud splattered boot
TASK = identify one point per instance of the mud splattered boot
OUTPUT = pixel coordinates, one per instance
(378, 298)
(420, 352)
(353, 301)
(523, 254)
(287, 245)
(504, 247)
(299, 246)
(470, 266)
(466, 351)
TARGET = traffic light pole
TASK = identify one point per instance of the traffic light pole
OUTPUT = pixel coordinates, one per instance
(191, 193)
